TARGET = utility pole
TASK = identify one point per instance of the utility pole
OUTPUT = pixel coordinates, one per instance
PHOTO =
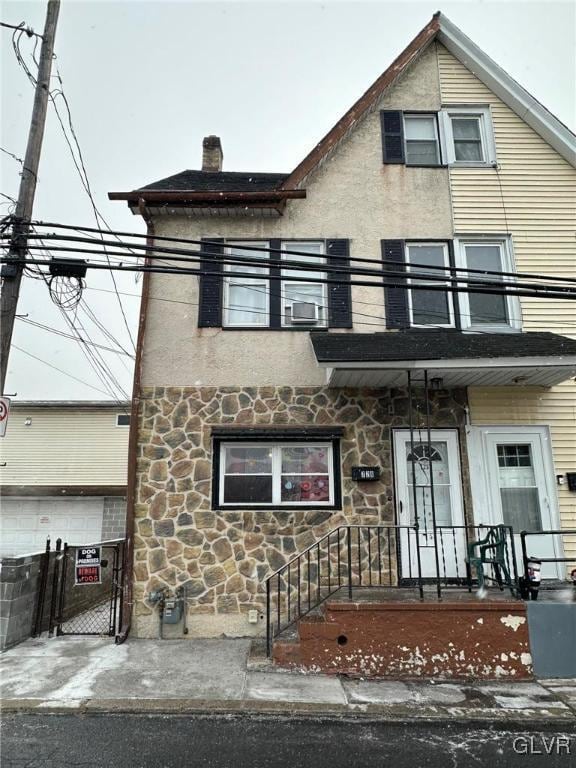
(12, 273)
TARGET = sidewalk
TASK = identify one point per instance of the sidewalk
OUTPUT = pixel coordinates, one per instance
(68, 674)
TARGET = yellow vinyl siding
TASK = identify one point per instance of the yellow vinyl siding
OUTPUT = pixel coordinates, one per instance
(532, 196)
(555, 407)
(64, 446)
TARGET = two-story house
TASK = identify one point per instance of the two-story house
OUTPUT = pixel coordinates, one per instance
(260, 389)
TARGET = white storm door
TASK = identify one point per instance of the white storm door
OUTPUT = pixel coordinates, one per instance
(521, 491)
(414, 491)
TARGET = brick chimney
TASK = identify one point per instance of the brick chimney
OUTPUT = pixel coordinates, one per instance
(212, 154)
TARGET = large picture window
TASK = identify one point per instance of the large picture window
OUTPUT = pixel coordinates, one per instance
(276, 474)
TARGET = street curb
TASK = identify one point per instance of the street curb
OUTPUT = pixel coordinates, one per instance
(367, 712)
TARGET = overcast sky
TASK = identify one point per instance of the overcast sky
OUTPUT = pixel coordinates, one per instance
(147, 80)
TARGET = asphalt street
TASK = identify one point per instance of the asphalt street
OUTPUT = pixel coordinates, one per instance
(170, 741)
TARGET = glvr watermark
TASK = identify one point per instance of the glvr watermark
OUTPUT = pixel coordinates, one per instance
(542, 745)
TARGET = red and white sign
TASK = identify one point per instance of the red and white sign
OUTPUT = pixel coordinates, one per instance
(4, 411)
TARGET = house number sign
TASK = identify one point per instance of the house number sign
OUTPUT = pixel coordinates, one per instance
(88, 565)
(365, 473)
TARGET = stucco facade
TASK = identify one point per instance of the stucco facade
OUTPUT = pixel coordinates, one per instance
(351, 195)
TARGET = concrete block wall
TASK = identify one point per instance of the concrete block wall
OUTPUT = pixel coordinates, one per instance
(114, 518)
(18, 596)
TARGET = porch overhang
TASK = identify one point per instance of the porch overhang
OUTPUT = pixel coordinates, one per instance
(454, 358)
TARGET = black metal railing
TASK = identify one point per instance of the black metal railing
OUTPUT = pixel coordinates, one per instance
(357, 556)
(526, 557)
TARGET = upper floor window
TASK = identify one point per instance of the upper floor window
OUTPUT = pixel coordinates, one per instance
(122, 419)
(468, 136)
(251, 284)
(421, 137)
(435, 267)
(304, 303)
(246, 299)
(458, 136)
(429, 306)
(487, 310)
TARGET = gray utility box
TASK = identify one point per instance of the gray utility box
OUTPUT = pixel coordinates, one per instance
(172, 611)
(552, 628)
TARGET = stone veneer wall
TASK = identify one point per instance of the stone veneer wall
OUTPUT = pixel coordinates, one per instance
(223, 556)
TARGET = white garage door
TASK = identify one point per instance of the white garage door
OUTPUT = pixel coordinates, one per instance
(26, 523)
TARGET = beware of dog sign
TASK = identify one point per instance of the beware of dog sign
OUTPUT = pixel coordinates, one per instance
(88, 565)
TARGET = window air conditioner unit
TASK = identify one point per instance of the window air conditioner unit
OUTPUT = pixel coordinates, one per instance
(305, 312)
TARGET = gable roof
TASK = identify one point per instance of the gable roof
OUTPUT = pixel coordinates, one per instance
(440, 28)
(191, 186)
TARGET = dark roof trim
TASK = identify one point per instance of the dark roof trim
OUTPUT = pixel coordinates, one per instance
(357, 111)
(246, 432)
(179, 196)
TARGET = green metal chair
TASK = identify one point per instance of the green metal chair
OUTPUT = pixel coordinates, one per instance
(491, 551)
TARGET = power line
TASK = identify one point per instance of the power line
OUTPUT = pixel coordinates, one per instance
(79, 164)
(65, 373)
(354, 314)
(292, 252)
(65, 335)
(12, 155)
(475, 285)
(21, 28)
(544, 291)
(93, 357)
(199, 256)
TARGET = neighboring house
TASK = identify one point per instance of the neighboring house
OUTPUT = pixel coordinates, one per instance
(256, 400)
(63, 474)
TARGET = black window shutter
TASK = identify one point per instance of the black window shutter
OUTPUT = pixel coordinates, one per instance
(396, 299)
(339, 295)
(210, 293)
(275, 287)
(392, 136)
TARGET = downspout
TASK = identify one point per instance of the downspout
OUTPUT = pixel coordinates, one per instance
(131, 489)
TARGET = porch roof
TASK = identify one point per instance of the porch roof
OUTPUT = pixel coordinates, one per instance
(459, 359)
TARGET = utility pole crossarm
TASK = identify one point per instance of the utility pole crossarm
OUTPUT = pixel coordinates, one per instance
(12, 273)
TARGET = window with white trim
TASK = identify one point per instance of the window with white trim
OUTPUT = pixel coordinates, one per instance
(487, 311)
(468, 136)
(421, 139)
(246, 299)
(304, 303)
(276, 474)
(431, 307)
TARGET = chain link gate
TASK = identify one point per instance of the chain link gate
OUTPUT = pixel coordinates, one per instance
(90, 609)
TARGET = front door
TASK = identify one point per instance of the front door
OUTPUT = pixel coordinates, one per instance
(440, 494)
(520, 490)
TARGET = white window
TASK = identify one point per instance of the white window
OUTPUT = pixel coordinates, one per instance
(467, 136)
(429, 307)
(122, 419)
(278, 474)
(304, 303)
(246, 299)
(421, 139)
(487, 311)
